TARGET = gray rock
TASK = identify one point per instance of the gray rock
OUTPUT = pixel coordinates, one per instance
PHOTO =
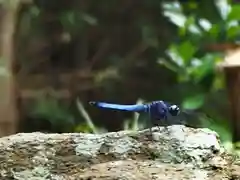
(174, 152)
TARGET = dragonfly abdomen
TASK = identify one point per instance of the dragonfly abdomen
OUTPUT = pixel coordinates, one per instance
(132, 108)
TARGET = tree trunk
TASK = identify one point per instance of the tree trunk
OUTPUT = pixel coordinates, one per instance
(8, 91)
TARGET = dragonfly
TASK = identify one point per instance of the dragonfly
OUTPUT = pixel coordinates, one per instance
(157, 110)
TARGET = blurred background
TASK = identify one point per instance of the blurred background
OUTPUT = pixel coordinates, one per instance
(57, 55)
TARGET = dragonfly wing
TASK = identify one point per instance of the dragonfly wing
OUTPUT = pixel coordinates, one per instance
(190, 119)
(133, 108)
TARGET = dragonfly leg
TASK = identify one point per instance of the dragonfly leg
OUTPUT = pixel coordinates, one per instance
(151, 134)
(165, 122)
(150, 119)
(150, 130)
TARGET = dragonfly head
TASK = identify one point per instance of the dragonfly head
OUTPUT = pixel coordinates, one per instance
(174, 110)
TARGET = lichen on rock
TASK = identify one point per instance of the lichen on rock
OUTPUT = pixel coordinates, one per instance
(174, 152)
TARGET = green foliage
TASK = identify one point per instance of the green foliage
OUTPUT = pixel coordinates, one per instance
(234, 13)
(194, 102)
(192, 63)
(51, 110)
(88, 126)
(193, 66)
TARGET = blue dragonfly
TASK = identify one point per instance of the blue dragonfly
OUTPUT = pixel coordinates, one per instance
(158, 111)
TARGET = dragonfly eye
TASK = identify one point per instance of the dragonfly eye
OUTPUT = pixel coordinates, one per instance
(174, 110)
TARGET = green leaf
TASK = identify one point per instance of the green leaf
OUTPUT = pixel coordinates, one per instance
(173, 53)
(218, 83)
(233, 31)
(186, 50)
(234, 14)
(192, 5)
(204, 65)
(171, 65)
(182, 31)
(190, 25)
(83, 128)
(214, 31)
(194, 102)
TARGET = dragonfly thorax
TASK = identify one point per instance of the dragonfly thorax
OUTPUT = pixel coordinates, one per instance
(174, 110)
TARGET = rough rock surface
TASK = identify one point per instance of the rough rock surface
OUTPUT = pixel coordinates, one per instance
(174, 152)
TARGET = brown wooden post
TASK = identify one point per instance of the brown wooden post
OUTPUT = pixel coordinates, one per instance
(231, 68)
(8, 105)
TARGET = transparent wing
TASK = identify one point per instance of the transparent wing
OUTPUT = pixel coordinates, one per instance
(190, 118)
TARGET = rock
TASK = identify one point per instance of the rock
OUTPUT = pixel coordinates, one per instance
(174, 152)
